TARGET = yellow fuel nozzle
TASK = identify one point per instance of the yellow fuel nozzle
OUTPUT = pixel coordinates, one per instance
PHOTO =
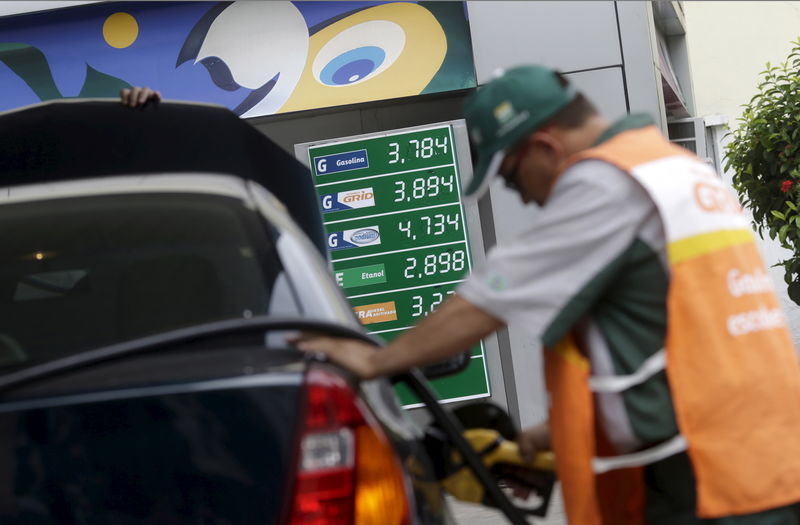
(506, 451)
(495, 451)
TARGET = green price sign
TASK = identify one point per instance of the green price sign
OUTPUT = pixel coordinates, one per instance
(397, 234)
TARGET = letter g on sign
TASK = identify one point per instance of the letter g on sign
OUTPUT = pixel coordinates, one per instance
(333, 240)
(322, 165)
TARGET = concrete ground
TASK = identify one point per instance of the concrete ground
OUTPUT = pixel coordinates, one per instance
(469, 514)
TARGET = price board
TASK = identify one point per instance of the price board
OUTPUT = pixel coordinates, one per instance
(397, 232)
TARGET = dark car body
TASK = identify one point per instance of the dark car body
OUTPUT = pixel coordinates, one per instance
(148, 279)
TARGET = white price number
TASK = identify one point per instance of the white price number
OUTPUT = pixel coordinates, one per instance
(394, 153)
(430, 146)
(437, 224)
(422, 187)
(434, 264)
(418, 303)
(423, 149)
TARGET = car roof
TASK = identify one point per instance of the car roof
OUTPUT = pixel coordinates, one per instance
(84, 138)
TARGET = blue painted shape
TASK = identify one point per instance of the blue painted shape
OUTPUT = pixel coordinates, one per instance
(352, 66)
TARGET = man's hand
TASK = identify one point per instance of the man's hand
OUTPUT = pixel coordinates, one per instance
(138, 96)
(453, 328)
(523, 481)
(352, 354)
(534, 439)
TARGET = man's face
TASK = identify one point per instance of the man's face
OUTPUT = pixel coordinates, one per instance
(530, 168)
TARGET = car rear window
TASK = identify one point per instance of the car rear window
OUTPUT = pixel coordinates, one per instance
(81, 273)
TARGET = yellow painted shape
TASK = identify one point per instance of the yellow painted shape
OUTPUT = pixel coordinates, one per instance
(698, 245)
(422, 56)
(120, 30)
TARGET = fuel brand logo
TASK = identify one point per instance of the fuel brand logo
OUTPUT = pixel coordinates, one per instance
(339, 162)
(361, 276)
(347, 200)
(355, 238)
(366, 236)
(376, 313)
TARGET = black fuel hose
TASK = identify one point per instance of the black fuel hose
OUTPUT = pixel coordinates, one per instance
(452, 427)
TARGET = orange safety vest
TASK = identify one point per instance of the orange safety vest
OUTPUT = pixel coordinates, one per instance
(733, 373)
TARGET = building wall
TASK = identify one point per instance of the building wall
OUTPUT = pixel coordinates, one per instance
(607, 48)
(729, 43)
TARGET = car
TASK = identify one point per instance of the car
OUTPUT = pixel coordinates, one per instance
(154, 261)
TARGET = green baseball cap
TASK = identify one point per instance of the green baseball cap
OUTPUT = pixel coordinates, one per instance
(504, 111)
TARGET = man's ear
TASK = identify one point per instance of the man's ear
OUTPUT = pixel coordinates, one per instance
(548, 145)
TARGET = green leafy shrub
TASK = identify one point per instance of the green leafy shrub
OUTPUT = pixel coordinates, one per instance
(764, 155)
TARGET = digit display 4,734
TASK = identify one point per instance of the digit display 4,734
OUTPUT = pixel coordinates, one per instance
(411, 229)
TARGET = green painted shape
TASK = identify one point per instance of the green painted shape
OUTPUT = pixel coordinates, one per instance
(101, 85)
(388, 337)
(32, 67)
(467, 383)
(458, 68)
(361, 276)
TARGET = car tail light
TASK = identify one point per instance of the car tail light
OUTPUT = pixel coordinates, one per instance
(348, 472)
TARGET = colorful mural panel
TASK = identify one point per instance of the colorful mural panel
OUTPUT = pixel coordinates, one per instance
(256, 58)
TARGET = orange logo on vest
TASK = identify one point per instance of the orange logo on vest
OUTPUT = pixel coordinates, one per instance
(715, 199)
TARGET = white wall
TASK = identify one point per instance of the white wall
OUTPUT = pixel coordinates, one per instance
(729, 43)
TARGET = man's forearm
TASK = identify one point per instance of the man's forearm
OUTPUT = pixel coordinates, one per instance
(455, 327)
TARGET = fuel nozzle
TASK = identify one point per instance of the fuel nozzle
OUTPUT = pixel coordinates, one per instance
(490, 432)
